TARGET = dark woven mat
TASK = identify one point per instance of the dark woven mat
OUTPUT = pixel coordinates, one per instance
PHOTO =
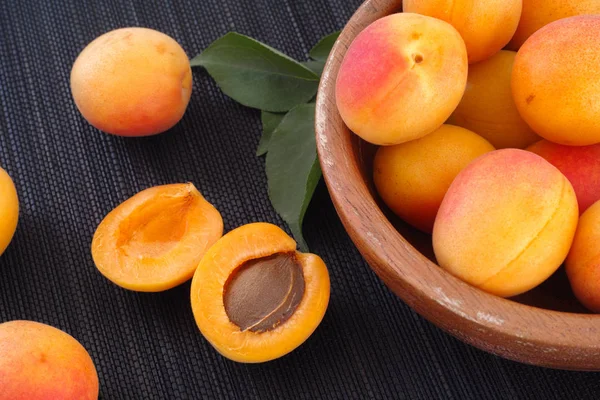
(147, 346)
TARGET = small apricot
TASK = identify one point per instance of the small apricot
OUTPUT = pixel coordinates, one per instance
(506, 223)
(38, 361)
(555, 81)
(9, 210)
(580, 164)
(583, 261)
(254, 297)
(538, 13)
(155, 240)
(487, 106)
(413, 177)
(132, 82)
(485, 25)
(401, 78)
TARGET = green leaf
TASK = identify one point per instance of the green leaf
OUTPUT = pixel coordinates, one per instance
(257, 75)
(270, 121)
(322, 49)
(292, 167)
(315, 66)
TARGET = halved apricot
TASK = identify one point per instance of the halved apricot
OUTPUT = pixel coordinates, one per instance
(9, 210)
(155, 240)
(254, 297)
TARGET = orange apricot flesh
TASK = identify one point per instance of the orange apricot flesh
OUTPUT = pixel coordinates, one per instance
(253, 243)
(40, 362)
(556, 81)
(487, 107)
(9, 210)
(401, 78)
(155, 240)
(506, 223)
(132, 82)
(485, 25)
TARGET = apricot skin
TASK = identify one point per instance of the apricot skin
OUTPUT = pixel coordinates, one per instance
(538, 13)
(583, 262)
(506, 223)
(485, 25)
(412, 178)
(580, 164)
(39, 362)
(252, 241)
(132, 82)
(401, 78)
(488, 108)
(9, 210)
(154, 240)
(556, 81)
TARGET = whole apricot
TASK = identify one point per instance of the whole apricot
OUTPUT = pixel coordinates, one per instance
(538, 13)
(487, 106)
(132, 82)
(401, 78)
(413, 177)
(154, 240)
(556, 81)
(580, 164)
(9, 210)
(506, 223)
(40, 362)
(254, 297)
(485, 25)
(583, 261)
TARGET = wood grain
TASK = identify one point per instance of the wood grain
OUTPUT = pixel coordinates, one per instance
(518, 329)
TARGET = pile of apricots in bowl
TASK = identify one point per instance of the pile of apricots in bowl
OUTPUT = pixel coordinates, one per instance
(486, 120)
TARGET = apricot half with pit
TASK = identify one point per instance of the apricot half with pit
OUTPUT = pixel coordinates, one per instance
(155, 240)
(255, 298)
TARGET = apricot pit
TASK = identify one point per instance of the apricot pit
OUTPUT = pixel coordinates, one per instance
(254, 297)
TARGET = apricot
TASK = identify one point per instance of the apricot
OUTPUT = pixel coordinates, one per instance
(583, 261)
(413, 177)
(9, 210)
(155, 240)
(538, 13)
(401, 78)
(485, 25)
(254, 297)
(506, 222)
(580, 164)
(487, 106)
(132, 82)
(40, 362)
(555, 81)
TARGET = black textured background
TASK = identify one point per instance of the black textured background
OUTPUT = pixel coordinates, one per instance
(147, 346)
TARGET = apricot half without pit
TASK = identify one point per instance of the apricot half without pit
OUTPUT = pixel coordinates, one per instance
(255, 298)
(155, 240)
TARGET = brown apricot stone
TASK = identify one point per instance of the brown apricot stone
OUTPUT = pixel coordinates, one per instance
(155, 240)
(254, 297)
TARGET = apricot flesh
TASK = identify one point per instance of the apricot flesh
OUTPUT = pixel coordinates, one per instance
(485, 25)
(132, 82)
(488, 108)
(212, 281)
(506, 223)
(38, 361)
(155, 240)
(556, 81)
(413, 177)
(580, 164)
(538, 13)
(583, 262)
(401, 78)
(9, 210)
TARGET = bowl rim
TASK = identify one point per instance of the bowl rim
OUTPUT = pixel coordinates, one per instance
(503, 327)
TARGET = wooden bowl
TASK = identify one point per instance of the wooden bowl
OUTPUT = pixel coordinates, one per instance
(545, 326)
